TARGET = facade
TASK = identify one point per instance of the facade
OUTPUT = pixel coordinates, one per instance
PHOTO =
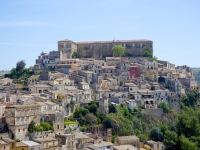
(100, 49)
(48, 143)
(39, 88)
(4, 145)
(18, 118)
(128, 140)
(66, 141)
(134, 72)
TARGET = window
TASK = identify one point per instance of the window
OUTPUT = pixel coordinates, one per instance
(18, 130)
(13, 145)
(130, 89)
(4, 147)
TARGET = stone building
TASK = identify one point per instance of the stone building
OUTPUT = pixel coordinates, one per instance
(47, 61)
(48, 143)
(103, 106)
(102, 49)
(18, 118)
(128, 140)
(66, 141)
(4, 145)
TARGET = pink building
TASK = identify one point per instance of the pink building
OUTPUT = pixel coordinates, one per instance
(134, 72)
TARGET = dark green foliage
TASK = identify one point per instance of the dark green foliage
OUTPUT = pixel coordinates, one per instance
(20, 65)
(32, 127)
(189, 99)
(156, 134)
(153, 88)
(112, 108)
(79, 112)
(44, 126)
(186, 133)
(91, 119)
(20, 73)
(164, 106)
(75, 54)
(171, 140)
(101, 116)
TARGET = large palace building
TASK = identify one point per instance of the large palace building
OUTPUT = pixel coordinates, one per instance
(102, 49)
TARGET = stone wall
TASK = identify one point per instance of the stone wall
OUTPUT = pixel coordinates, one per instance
(153, 111)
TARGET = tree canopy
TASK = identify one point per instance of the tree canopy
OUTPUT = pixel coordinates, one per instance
(20, 65)
(118, 50)
(164, 106)
(74, 54)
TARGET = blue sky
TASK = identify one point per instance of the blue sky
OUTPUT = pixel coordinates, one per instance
(29, 27)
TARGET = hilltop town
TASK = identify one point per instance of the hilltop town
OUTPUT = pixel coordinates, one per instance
(87, 96)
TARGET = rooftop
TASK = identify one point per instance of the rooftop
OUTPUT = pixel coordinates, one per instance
(81, 136)
(125, 147)
(20, 144)
(102, 144)
(128, 137)
(30, 143)
(2, 142)
(113, 41)
(45, 139)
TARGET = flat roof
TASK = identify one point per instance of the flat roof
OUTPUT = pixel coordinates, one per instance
(19, 144)
(81, 136)
(127, 137)
(103, 144)
(114, 41)
(2, 142)
(125, 147)
(45, 139)
(30, 143)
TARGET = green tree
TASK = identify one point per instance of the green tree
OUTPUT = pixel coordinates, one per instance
(164, 106)
(32, 127)
(91, 119)
(20, 65)
(186, 144)
(93, 108)
(147, 53)
(154, 58)
(74, 54)
(112, 108)
(156, 134)
(171, 140)
(118, 50)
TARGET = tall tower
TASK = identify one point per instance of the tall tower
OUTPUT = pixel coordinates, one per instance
(66, 49)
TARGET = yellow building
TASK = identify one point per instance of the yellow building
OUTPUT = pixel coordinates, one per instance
(21, 146)
(75, 67)
(106, 85)
(33, 79)
(152, 75)
(175, 75)
(18, 86)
